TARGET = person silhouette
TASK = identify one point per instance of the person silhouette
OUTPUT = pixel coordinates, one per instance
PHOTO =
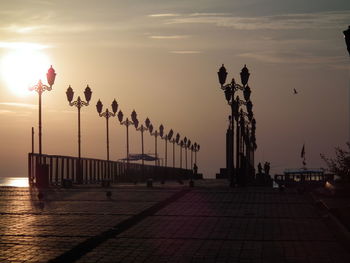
(259, 168)
(266, 168)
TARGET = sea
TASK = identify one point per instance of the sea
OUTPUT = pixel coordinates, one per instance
(14, 181)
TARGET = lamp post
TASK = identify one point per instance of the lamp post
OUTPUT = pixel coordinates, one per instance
(127, 123)
(142, 129)
(79, 103)
(185, 146)
(107, 114)
(196, 149)
(40, 88)
(192, 150)
(155, 134)
(161, 134)
(347, 39)
(181, 144)
(173, 141)
(229, 90)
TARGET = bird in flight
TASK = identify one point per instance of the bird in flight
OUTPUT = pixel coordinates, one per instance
(295, 91)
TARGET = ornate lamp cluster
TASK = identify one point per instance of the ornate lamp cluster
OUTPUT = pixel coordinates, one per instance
(245, 128)
(147, 126)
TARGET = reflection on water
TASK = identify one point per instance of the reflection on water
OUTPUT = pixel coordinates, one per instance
(14, 181)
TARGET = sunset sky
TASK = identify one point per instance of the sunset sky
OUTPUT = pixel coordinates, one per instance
(161, 58)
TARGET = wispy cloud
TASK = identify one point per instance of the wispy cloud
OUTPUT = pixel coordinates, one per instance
(19, 105)
(293, 58)
(185, 52)
(170, 37)
(276, 22)
(163, 15)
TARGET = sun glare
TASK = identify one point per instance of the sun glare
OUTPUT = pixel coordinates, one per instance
(22, 68)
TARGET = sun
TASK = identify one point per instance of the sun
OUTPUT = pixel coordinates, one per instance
(22, 68)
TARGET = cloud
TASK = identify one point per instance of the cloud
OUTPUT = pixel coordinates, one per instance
(163, 15)
(19, 105)
(185, 52)
(293, 58)
(276, 22)
(170, 37)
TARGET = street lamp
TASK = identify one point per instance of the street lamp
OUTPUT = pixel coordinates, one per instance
(184, 145)
(347, 39)
(142, 129)
(196, 149)
(155, 134)
(229, 90)
(79, 104)
(127, 123)
(181, 144)
(161, 134)
(187, 145)
(176, 140)
(107, 114)
(40, 88)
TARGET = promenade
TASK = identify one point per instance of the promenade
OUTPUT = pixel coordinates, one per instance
(166, 223)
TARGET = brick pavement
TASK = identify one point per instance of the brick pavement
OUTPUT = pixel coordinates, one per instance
(211, 223)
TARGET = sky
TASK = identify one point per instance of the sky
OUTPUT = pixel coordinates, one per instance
(161, 58)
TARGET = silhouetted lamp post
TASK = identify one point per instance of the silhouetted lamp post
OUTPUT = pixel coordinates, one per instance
(196, 149)
(40, 88)
(229, 90)
(181, 144)
(347, 39)
(79, 103)
(142, 129)
(155, 134)
(127, 123)
(173, 141)
(107, 114)
(184, 145)
(168, 138)
(161, 134)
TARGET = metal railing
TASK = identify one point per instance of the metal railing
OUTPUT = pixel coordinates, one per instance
(92, 171)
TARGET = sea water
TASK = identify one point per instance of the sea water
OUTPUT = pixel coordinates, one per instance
(14, 181)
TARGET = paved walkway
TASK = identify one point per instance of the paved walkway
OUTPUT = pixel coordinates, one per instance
(171, 223)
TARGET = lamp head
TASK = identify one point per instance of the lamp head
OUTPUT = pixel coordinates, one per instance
(170, 134)
(228, 94)
(161, 130)
(222, 74)
(99, 106)
(244, 75)
(150, 128)
(147, 122)
(87, 93)
(136, 123)
(70, 94)
(120, 116)
(114, 106)
(51, 75)
(177, 138)
(246, 93)
(133, 116)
